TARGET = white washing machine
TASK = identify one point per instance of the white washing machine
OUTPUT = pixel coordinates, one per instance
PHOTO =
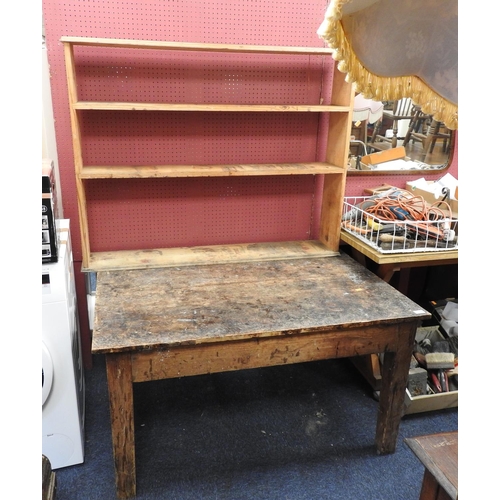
(63, 384)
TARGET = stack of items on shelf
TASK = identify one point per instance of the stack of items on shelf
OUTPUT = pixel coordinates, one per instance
(434, 368)
(50, 213)
(396, 220)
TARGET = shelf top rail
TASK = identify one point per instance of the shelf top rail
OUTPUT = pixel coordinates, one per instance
(191, 46)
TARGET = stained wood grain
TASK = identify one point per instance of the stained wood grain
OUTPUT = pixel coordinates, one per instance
(439, 455)
(208, 254)
(167, 307)
(187, 360)
(235, 170)
(121, 403)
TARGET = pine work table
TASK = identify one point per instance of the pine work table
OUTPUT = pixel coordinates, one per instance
(173, 322)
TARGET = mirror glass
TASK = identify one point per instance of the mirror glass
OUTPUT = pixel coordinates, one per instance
(402, 137)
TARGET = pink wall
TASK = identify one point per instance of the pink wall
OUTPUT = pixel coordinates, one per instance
(124, 214)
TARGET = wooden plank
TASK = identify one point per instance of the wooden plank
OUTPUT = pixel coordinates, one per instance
(121, 403)
(342, 91)
(257, 352)
(337, 153)
(148, 106)
(77, 151)
(331, 210)
(339, 127)
(210, 47)
(157, 171)
(215, 254)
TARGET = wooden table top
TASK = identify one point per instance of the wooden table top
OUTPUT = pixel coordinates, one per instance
(171, 306)
(434, 257)
(439, 454)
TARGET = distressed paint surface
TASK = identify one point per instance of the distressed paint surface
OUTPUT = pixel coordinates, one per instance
(151, 308)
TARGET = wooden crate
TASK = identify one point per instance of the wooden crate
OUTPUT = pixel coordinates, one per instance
(370, 368)
(430, 402)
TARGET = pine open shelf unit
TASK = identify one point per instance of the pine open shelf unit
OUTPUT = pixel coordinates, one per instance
(334, 168)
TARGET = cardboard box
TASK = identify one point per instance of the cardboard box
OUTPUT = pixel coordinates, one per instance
(426, 190)
(430, 402)
(378, 189)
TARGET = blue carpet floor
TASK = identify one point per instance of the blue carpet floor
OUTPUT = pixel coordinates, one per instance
(296, 432)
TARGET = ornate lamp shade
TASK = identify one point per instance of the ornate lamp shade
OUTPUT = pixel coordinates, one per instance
(391, 49)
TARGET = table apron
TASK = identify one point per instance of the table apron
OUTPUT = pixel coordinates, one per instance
(257, 352)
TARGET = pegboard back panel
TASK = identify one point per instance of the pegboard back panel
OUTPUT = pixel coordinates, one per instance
(141, 75)
(157, 138)
(174, 213)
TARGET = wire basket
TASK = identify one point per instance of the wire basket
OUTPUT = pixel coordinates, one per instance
(396, 221)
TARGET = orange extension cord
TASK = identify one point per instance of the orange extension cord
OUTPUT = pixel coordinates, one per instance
(415, 206)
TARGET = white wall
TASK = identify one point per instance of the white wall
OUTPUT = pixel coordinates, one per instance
(49, 145)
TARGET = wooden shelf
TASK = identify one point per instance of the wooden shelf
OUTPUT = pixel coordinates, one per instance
(152, 171)
(215, 254)
(241, 108)
(334, 168)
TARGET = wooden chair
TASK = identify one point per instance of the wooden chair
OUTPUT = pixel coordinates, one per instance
(437, 131)
(395, 114)
(427, 131)
(358, 139)
(418, 130)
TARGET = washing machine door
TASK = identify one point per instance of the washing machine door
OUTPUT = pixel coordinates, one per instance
(47, 373)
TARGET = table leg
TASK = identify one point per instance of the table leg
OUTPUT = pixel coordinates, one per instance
(392, 393)
(121, 403)
(386, 271)
(430, 487)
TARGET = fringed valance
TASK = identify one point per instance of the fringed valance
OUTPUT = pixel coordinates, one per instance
(392, 49)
